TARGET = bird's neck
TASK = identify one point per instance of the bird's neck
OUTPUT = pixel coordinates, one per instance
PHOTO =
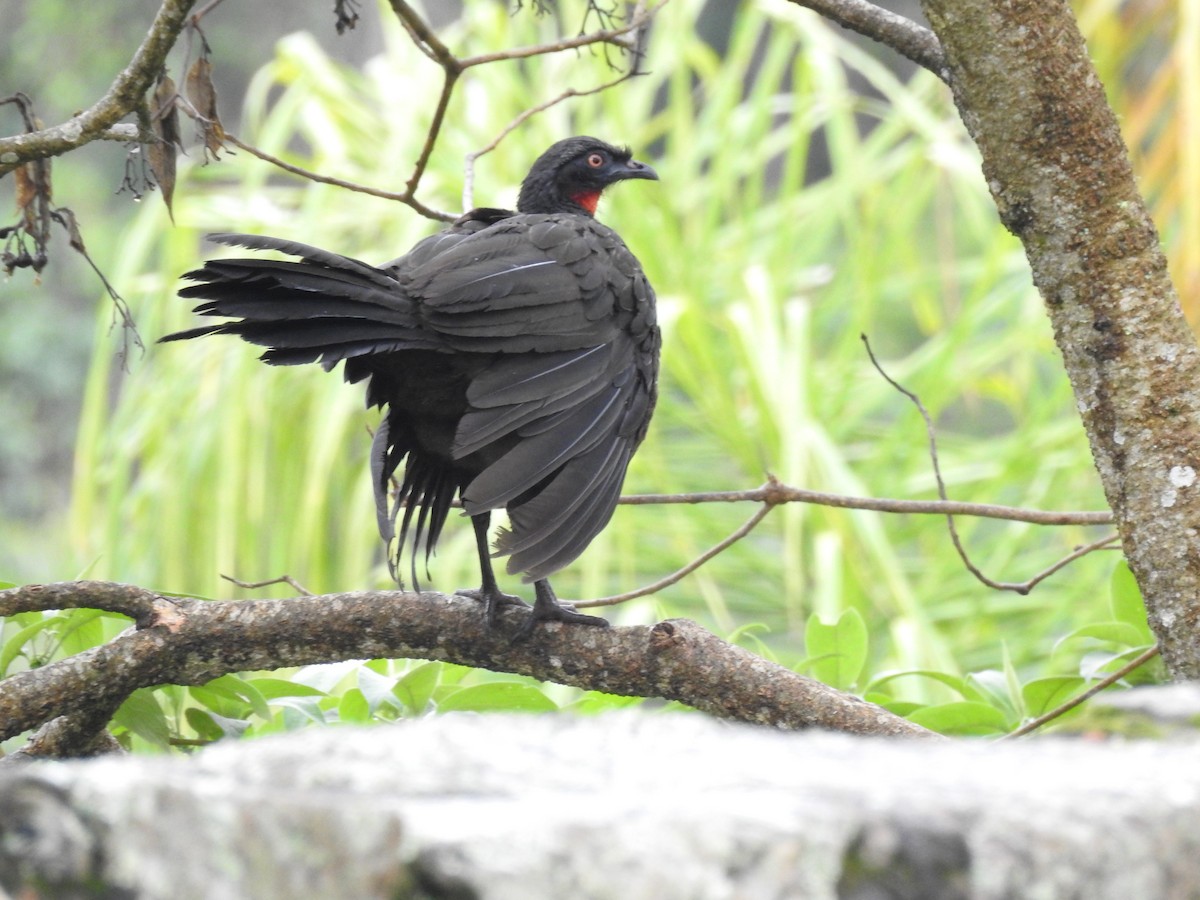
(537, 196)
(588, 200)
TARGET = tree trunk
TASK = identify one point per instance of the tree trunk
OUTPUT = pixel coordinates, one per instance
(1060, 175)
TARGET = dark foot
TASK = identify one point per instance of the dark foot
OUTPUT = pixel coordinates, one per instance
(493, 600)
(548, 608)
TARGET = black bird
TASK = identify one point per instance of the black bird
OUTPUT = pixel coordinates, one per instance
(516, 354)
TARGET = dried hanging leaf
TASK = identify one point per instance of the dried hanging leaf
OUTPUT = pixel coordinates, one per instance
(26, 192)
(165, 111)
(33, 196)
(165, 125)
(203, 96)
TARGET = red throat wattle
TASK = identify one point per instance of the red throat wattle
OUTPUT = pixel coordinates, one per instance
(588, 200)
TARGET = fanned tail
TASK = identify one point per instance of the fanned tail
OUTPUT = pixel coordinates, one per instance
(322, 307)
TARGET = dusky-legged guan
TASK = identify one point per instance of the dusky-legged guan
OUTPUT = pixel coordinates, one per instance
(515, 354)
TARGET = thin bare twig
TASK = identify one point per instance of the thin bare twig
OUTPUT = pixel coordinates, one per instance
(403, 197)
(602, 36)
(1017, 587)
(426, 39)
(773, 494)
(777, 492)
(282, 579)
(435, 129)
(679, 574)
(1140, 660)
(199, 14)
(431, 45)
(424, 36)
(121, 313)
(1024, 587)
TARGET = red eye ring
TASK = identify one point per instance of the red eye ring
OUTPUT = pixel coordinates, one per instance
(595, 160)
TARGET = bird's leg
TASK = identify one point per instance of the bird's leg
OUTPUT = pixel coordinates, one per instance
(489, 592)
(548, 608)
(385, 516)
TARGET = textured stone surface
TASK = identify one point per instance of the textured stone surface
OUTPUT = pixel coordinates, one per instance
(626, 806)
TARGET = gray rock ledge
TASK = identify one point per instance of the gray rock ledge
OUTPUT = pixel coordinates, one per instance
(625, 806)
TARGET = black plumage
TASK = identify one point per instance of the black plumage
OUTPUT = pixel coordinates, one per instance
(516, 354)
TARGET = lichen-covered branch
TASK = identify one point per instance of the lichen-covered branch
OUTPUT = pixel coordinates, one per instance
(1056, 165)
(122, 98)
(192, 641)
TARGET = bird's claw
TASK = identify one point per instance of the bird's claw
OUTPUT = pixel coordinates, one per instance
(548, 608)
(493, 601)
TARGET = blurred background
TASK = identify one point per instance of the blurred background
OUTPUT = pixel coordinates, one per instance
(815, 187)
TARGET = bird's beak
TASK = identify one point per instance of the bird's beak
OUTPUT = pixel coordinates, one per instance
(635, 169)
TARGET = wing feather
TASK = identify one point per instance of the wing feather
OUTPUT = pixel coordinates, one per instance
(546, 319)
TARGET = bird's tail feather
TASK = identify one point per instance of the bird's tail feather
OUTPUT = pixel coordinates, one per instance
(322, 308)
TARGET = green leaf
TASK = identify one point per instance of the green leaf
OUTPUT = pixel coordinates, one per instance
(992, 687)
(838, 652)
(212, 727)
(1121, 633)
(1044, 694)
(376, 689)
(328, 677)
(202, 722)
(954, 682)
(230, 727)
(965, 717)
(899, 707)
(498, 696)
(416, 688)
(1099, 664)
(233, 697)
(298, 711)
(380, 666)
(141, 715)
(245, 690)
(85, 628)
(353, 707)
(599, 702)
(1016, 704)
(1126, 601)
(15, 644)
(1152, 672)
(272, 688)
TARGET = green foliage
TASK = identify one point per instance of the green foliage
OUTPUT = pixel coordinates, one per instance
(808, 196)
(838, 652)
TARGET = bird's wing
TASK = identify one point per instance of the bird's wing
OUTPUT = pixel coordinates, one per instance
(530, 283)
(569, 316)
(560, 481)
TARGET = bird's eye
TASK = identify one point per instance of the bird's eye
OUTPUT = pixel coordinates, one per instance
(595, 160)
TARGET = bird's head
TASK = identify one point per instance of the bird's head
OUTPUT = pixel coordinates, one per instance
(572, 174)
